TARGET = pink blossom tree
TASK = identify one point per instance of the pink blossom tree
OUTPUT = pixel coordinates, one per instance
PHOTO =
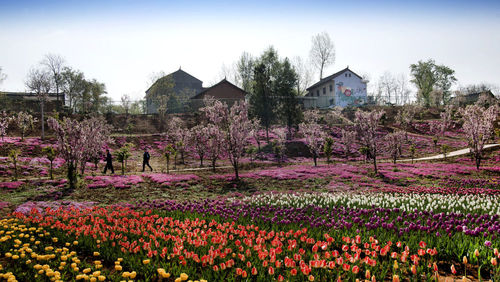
(5, 120)
(405, 118)
(347, 140)
(366, 125)
(96, 136)
(394, 143)
(478, 124)
(216, 114)
(232, 126)
(70, 143)
(255, 129)
(214, 145)
(236, 128)
(198, 139)
(313, 133)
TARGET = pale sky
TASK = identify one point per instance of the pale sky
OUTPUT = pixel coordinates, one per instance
(121, 42)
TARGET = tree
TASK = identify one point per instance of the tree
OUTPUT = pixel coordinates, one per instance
(279, 144)
(388, 86)
(24, 122)
(313, 133)
(328, 148)
(263, 97)
(255, 129)
(232, 126)
(39, 82)
(478, 124)
(97, 91)
(288, 106)
(74, 85)
(245, 71)
(123, 154)
(178, 136)
(304, 75)
(125, 103)
(215, 113)
(322, 52)
(55, 66)
(14, 156)
(427, 76)
(215, 139)
(347, 140)
(168, 151)
(69, 135)
(394, 142)
(51, 154)
(405, 117)
(236, 128)
(366, 125)
(3, 76)
(95, 137)
(5, 120)
(198, 139)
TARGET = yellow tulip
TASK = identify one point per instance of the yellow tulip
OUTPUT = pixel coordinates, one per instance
(118, 267)
(96, 254)
(146, 261)
(184, 276)
(101, 277)
(87, 270)
(133, 274)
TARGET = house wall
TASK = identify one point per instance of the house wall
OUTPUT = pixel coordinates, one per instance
(324, 98)
(349, 90)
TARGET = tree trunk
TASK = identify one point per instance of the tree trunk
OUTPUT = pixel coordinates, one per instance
(15, 169)
(478, 162)
(315, 160)
(201, 161)
(168, 161)
(182, 157)
(375, 163)
(71, 175)
(267, 133)
(51, 176)
(213, 165)
(236, 175)
(42, 120)
(123, 168)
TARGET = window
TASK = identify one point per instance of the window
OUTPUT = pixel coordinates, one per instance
(331, 88)
(324, 90)
(346, 75)
(349, 75)
(317, 93)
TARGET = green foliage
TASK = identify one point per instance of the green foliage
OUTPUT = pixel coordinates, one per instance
(123, 154)
(169, 151)
(427, 77)
(14, 155)
(328, 148)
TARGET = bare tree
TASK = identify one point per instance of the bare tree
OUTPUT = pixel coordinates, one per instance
(55, 65)
(304, 75)
(322, 52)
(125, 103)
(39, 82)
(402, 90)
(3, 76)
(388, 87)
(228, 72)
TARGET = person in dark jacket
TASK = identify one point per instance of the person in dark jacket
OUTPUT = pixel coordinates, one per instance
(109, 162)
(145, 160)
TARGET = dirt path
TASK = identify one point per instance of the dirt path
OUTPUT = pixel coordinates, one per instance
(450, 154)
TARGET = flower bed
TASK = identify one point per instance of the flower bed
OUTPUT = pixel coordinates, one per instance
(116, 181)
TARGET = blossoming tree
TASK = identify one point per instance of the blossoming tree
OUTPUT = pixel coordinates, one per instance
(24, 122)
(70, 142)
(478, 124)
(313, 133)
(366, 125)
(393, 144)
(198, 139)
(4, 124)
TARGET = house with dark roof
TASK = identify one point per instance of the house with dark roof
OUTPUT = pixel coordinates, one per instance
(342, 89)
(179, 84)
(223, 91)
(472, 98)
(26, 101)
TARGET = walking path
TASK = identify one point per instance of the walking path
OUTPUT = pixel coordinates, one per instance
(450, 154)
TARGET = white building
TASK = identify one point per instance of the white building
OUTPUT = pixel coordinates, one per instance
(343, 88)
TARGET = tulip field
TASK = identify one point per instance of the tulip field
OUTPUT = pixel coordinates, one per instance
(328, 215)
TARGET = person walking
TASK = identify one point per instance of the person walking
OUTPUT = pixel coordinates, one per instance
(109, 163)
(145, 160)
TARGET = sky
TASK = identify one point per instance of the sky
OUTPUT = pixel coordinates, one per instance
(122, 42)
